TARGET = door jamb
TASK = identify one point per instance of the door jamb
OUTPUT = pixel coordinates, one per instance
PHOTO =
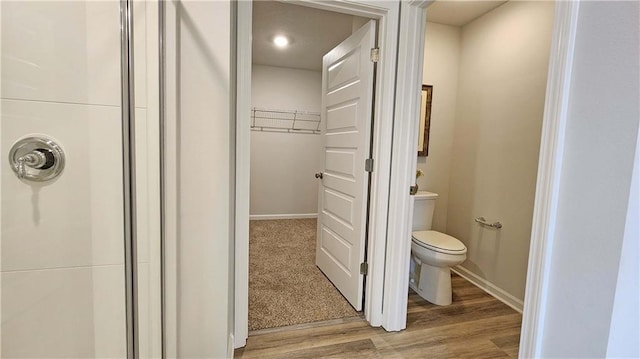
(403, 162)
(243, 158)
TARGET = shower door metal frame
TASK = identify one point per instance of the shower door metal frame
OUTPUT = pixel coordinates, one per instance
(129, 175)
(161, 151)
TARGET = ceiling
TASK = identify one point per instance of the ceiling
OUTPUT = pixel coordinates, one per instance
(459, 12)
(313, 32)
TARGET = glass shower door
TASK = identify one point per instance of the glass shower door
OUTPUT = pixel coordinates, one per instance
(62, 213)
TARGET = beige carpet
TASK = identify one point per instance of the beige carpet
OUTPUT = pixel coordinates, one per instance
(285, 286)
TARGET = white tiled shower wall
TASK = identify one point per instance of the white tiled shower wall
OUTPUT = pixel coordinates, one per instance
(62, 249)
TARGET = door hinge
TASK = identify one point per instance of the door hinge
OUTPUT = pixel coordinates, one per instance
(368, 165)
(364, 268)
(375, 54)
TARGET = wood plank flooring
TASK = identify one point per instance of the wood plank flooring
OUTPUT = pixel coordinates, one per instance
(475, 325)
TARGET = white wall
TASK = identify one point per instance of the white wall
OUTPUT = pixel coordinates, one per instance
(441, 65)
(594, 198)
(62, 242)
(283, 164)
(501, 90)
(200, 181)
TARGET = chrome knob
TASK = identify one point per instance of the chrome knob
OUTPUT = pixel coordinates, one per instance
(319, 175)
(36, 159)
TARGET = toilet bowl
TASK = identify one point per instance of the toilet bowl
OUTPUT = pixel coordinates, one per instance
(432, 256)
(432, 253)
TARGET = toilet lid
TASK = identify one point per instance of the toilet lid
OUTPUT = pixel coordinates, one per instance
(439, 242)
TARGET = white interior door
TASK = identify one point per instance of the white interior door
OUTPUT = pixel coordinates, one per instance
(347, 96)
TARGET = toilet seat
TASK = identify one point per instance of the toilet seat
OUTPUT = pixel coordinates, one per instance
(438, 242)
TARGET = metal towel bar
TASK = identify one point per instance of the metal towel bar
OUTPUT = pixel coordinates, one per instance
(483, 221)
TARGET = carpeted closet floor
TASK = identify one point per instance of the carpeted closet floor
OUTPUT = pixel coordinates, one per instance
(285, 286)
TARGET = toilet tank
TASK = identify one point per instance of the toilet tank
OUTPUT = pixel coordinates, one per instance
(423, 206)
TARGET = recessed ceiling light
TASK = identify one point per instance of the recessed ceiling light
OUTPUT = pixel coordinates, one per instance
(281, 41)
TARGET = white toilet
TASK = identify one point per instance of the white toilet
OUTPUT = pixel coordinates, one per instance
(432, 254)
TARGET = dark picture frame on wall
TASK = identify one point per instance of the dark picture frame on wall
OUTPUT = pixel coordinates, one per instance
(425, 120)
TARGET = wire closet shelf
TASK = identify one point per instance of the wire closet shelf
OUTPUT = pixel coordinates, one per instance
(291, 121)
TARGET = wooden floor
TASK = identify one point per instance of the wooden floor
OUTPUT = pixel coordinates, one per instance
(475, 325)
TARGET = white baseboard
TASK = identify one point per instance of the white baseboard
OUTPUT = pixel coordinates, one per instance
(262, 217)
(490, 288)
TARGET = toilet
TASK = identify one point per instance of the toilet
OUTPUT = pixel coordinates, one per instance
(432, 253)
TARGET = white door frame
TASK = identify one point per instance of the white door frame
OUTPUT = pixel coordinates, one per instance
(394, 154)
(548, 182)
(244, 12)
(387, 13)
(404, 162)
